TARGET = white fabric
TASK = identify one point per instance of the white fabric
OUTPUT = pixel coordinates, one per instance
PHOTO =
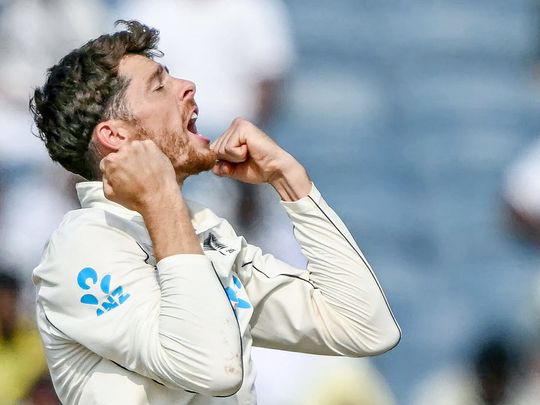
(35, 34)
(105, 307)
(522, 183)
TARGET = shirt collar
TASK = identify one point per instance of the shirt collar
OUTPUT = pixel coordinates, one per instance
(91, 195)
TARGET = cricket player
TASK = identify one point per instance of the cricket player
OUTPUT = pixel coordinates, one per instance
(146, 298)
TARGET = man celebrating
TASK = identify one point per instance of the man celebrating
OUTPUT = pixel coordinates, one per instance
(145, 298)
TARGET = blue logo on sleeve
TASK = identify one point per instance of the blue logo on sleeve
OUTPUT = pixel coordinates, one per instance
(87, 279)
(232, 294)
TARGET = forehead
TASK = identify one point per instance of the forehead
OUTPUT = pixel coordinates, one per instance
(136, 67)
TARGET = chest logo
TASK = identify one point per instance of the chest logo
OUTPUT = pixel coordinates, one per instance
(87, 279)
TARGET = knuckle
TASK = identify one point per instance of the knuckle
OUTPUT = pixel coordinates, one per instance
(238, 121)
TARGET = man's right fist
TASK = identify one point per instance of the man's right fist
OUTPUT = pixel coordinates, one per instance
(137, 175)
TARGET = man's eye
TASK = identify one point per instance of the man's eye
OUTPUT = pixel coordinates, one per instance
(160, 87)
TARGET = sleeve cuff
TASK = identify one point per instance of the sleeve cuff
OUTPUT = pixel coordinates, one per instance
(304, 204)
(182, 260)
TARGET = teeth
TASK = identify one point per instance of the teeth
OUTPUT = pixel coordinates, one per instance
(194, 116)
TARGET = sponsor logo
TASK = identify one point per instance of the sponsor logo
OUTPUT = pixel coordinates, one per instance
(212, 243)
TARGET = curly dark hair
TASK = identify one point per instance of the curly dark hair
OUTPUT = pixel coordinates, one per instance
(84, 89)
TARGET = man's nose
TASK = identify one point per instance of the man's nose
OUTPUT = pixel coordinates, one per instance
(187, 89)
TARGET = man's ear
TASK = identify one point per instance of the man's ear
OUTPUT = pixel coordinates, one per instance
(110, 135)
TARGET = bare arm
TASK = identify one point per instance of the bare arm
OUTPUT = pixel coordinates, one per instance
(150, 188)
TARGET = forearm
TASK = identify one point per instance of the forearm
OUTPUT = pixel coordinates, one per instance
(355, 302)
(198, 339)
(334, 307)
(167, 219)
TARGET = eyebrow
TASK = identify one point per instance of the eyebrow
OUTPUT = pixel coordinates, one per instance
(156, 74)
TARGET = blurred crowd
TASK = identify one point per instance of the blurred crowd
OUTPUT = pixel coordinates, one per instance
(240, 53)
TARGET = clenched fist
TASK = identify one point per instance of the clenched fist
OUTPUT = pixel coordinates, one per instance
(137, 175)
(247, 154)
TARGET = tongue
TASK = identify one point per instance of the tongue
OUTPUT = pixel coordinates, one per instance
(203, 137)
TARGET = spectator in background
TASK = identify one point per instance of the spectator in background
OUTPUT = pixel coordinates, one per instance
(33, 35)
(239, 55)
(42, 393)
(521, 193)
(492, 377)
(22, 362)
(31, 31)
(521, 198)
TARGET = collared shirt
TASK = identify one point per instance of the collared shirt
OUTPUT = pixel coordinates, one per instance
(118, 327)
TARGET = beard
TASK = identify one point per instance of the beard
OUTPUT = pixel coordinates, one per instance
(178, 147)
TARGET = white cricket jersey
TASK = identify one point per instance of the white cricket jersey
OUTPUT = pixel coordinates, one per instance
(119, 328)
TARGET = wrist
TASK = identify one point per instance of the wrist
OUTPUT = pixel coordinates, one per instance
(291, 180)
(165, 199)
(167, 219)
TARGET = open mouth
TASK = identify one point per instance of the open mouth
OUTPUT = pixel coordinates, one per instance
(192, 127)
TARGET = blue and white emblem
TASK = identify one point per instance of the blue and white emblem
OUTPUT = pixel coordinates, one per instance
(233, 293)
(87, 279)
